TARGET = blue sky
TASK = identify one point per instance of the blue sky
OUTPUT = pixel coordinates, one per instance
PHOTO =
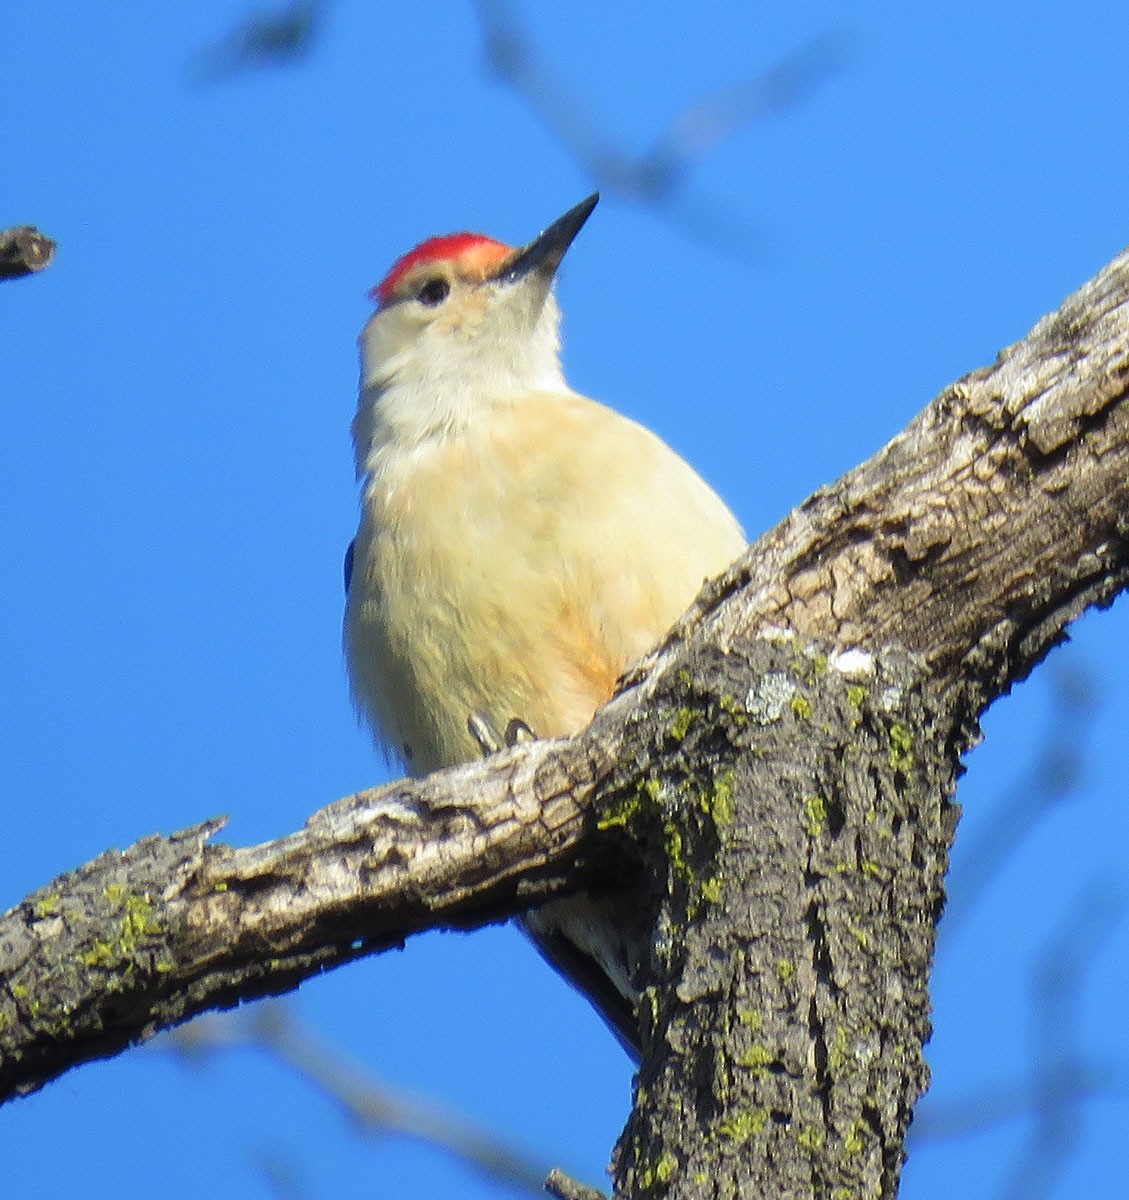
(176, 393)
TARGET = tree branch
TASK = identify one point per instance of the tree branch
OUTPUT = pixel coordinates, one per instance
(23, 251)
(137, 941)
(657, 178)
(803, 824)
(975, 536)
(368, 1105)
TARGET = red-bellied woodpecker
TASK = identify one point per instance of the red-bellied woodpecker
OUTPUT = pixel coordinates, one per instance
(519, 545)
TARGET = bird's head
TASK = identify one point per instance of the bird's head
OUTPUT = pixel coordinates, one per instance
(467, 316)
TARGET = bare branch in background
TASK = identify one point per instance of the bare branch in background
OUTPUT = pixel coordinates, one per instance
(265, 39)
(371, 1107)
(997, 1104)
(1057, 991)
(24, 251)
(656, 178)
(1052, 779)
(281, 1178)
(560, 1185)
(1061, 1080)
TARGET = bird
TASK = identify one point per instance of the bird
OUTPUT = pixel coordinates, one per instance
(519, 545)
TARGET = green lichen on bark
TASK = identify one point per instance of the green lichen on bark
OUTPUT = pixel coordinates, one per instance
(827, 857)
(100, 920)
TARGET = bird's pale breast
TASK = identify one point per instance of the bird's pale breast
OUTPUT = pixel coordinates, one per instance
(513, 569)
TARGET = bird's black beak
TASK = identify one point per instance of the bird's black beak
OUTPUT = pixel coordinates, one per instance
(545, 252)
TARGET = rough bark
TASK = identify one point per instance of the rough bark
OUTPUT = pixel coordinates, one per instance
(23, 251)
(804, 822)
(139, 940)
(785, 761)
(796, 934)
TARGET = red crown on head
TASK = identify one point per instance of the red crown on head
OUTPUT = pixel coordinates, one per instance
(480, 253)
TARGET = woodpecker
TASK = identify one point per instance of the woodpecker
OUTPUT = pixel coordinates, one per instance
(519, 544)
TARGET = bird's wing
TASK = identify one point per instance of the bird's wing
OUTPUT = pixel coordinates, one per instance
(350, 550)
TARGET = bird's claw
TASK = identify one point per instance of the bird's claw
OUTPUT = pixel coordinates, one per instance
(517, 731)
(483, 733)
(479, 728)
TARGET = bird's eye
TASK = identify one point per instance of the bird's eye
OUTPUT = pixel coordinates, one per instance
(433, 292)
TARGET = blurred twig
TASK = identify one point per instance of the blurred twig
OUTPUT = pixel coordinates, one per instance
(560, 1185)
(1057, 992)
(1060, 1079)
(992, 1105)
(264, 39)
(23, 251)
(1052, 778)
(370, 1106)
(656, 177)
(281, 1177)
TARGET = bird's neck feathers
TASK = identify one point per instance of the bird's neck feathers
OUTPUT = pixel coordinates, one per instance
(435, 388)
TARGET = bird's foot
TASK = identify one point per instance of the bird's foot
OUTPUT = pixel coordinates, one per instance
(479, 728)
(483, 733)
(517, 731)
